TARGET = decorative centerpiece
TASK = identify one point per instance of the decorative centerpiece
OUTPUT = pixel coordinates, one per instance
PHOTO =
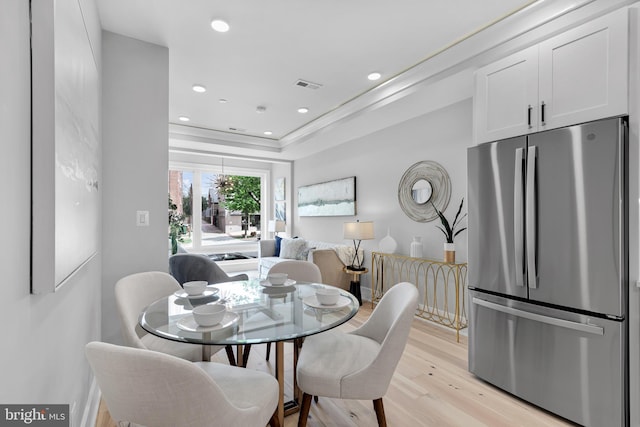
(450, 232)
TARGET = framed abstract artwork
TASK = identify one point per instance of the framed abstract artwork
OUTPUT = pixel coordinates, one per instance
(279, 192)
(66, 146)
(281, 211)
(331, 198)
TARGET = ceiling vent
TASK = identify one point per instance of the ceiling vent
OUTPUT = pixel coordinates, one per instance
(307, 84)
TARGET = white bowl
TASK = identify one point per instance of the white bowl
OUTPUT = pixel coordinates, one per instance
(209, 314)
(277, 278)
(195, 288)
(327, 296)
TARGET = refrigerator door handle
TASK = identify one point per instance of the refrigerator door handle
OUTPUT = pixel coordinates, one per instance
(554, 321)
(531, 218)
(518, 217)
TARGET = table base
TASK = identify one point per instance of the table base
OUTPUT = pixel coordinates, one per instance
(354, 288)
(285, 408)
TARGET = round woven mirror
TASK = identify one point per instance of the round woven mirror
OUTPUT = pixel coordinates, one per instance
(423, 185)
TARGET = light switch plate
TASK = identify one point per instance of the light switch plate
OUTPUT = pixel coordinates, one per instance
(142, 218)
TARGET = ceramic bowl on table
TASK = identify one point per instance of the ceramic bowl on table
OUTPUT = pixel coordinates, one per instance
(209, 314)
(327, 296)
(195, 288)
(277, 278)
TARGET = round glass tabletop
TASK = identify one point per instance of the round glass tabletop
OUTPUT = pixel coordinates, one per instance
(255, 314)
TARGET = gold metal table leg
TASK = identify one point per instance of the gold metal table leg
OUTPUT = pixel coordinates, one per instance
(457, 321)
(239, 358)
(280, 377)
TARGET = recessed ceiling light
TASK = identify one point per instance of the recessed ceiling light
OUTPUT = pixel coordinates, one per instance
(222, 101)
(199, 88)
(220, 26)
(303, 110)
(268, 132)
(374, 76)
(184, 118)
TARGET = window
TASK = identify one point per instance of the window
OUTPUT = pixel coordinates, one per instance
(207, 227)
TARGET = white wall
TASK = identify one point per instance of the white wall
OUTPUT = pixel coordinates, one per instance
(634, 216)
(135, 164)
(378, 161)
(43, 337)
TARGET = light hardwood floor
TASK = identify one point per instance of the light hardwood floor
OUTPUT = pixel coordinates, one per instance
(431, 387)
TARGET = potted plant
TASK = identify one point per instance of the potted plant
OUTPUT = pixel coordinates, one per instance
(175, 226)
(450, 231)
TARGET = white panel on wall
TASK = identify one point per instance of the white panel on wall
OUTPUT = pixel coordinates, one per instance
(135, 164)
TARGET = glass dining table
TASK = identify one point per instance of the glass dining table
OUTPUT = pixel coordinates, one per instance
(257, 312)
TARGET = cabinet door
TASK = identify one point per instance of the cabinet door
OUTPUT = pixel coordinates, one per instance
(506, 97)
(583, 72)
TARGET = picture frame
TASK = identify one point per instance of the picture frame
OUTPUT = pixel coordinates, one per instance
(66, 145)
(279, 189)
(280, 211)
(330, 198)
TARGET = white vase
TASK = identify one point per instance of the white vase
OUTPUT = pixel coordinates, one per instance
(388, 244)
(416, 247)
(450, 253)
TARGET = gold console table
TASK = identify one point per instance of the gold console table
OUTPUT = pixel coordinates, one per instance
(441, 286)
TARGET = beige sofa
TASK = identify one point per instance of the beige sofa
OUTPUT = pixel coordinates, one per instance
(323, 254)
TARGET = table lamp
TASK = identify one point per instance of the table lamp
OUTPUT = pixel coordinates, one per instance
(276, 226)
(358, 231)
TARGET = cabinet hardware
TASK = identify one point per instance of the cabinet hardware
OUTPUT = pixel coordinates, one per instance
(542, 106)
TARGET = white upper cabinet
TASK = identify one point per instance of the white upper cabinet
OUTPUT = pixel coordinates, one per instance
(575, 77)
(506, 96)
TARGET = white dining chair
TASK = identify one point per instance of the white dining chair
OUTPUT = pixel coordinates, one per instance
(304, 271)
(358, 364)
(136, 291)
(148, 388)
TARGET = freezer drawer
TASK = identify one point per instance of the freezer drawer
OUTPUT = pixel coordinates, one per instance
(566, 363)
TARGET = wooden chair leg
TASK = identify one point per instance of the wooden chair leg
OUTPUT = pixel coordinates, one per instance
(274, 421)
(377, 405)
(245, 355)
(304, 410)
(230, 356)
(268, 350)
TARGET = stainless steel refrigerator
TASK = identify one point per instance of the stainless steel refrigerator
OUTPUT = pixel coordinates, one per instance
(548, 269)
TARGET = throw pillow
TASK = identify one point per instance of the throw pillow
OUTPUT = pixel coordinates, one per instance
(304, 254)
(291, 248)
(278, 243)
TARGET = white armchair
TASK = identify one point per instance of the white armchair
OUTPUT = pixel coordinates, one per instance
(359, 364)
(148, 388)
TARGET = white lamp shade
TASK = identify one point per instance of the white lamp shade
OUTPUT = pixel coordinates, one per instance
(276, 225)
(358, 230)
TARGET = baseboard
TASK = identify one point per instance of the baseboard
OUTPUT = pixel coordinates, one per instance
(366, 294)
(92, 406)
